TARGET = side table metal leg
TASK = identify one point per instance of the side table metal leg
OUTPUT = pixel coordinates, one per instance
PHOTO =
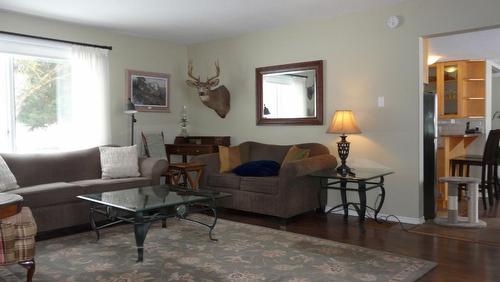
(362, 201)
(322, 195)
(382, 198)
(140, 230)
(343, 195)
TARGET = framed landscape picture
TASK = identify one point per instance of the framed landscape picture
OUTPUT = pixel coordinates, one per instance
(148, 91)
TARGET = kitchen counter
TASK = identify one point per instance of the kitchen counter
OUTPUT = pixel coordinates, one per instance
(462, 135)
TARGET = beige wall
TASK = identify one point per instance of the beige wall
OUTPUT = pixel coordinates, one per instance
(363, 60)
(128, 53)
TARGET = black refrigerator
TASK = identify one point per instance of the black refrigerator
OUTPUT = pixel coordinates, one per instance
(430, 153)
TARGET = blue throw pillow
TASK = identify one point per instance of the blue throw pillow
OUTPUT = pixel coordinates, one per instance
(258, 168)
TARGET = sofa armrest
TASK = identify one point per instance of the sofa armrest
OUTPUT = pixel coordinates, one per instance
(307, 166)
(153, 168)
(212, 165)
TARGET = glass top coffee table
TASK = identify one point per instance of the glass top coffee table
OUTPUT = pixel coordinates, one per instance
(145, 205)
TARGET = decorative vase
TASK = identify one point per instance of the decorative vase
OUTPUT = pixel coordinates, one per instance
(184, 122)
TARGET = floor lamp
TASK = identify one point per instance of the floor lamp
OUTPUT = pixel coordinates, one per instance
(131, 111)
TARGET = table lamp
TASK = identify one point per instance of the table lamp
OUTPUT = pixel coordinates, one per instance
(343, 122)
(131, 110)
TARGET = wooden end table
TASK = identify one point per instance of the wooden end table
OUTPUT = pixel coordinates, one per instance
(10, 204)
(184, 171)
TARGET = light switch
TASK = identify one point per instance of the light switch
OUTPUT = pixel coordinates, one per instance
(380, 101)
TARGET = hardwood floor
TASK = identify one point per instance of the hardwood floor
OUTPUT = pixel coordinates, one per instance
(457, 260)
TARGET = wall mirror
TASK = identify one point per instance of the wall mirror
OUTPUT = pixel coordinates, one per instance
(290, 94)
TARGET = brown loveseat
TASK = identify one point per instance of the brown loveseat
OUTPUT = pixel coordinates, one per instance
(49, 184)
(291, 193)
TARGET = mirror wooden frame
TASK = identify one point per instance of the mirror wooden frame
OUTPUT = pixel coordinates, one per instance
(311, 65)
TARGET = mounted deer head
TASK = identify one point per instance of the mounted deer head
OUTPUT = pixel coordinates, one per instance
(216, 99)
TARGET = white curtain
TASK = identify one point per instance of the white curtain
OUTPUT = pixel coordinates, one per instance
(90, 113)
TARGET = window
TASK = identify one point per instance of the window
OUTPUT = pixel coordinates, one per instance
(43, 95)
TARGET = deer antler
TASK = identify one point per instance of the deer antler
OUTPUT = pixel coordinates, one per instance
(190, 71)
(217, 72)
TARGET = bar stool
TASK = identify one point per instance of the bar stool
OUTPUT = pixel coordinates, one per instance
(488, 163)
(453, 220)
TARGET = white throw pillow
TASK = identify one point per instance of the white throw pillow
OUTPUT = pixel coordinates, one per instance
(119, 162)
(7, 179)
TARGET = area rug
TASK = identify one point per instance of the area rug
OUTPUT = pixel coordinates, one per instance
(183, 252)
(486, 236)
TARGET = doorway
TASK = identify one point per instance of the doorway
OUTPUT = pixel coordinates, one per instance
(463, 70)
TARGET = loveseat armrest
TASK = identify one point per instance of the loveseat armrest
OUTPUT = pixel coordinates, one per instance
(307, 166)
(212, 165)
(153, 168)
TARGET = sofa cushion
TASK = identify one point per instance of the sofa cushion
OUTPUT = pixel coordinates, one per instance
(229, 158)
(258, 168)
(225, 180)
(49, 194)
(7, 179)
(295, 153)
(35, 169)
(104, 185)
(119, 162)
(263, 185)
(258, 151)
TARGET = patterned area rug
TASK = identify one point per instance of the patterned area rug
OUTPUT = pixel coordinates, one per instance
(183, 252)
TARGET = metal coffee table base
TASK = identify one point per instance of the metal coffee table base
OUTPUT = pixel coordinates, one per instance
(142, 222)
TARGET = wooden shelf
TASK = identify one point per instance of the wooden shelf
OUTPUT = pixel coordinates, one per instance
(474, 98)
(474, 79)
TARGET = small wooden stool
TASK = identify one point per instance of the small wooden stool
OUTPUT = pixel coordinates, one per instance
(184, 170)
(453, 220)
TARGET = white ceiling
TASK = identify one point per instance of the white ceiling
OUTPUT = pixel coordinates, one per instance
(188, 21)
(483, 44)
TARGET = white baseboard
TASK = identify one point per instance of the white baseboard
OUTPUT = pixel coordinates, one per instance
(403, 219)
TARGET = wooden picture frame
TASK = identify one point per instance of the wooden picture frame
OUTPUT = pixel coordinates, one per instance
(149, 91)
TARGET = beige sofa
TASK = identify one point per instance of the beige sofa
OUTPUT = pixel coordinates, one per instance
(290, 193)
(49, 184)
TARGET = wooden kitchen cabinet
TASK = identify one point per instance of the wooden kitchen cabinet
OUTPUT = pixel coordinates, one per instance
(460, 86)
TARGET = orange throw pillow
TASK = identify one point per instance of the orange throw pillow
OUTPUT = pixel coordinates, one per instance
(229, 158)
(295, 153)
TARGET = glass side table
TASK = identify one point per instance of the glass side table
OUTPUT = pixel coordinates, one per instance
(364, 179)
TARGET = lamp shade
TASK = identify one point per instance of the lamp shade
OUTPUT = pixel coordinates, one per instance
(343, 122)
(130, 107)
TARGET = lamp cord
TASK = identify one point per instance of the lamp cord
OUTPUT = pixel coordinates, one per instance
(381, 219)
